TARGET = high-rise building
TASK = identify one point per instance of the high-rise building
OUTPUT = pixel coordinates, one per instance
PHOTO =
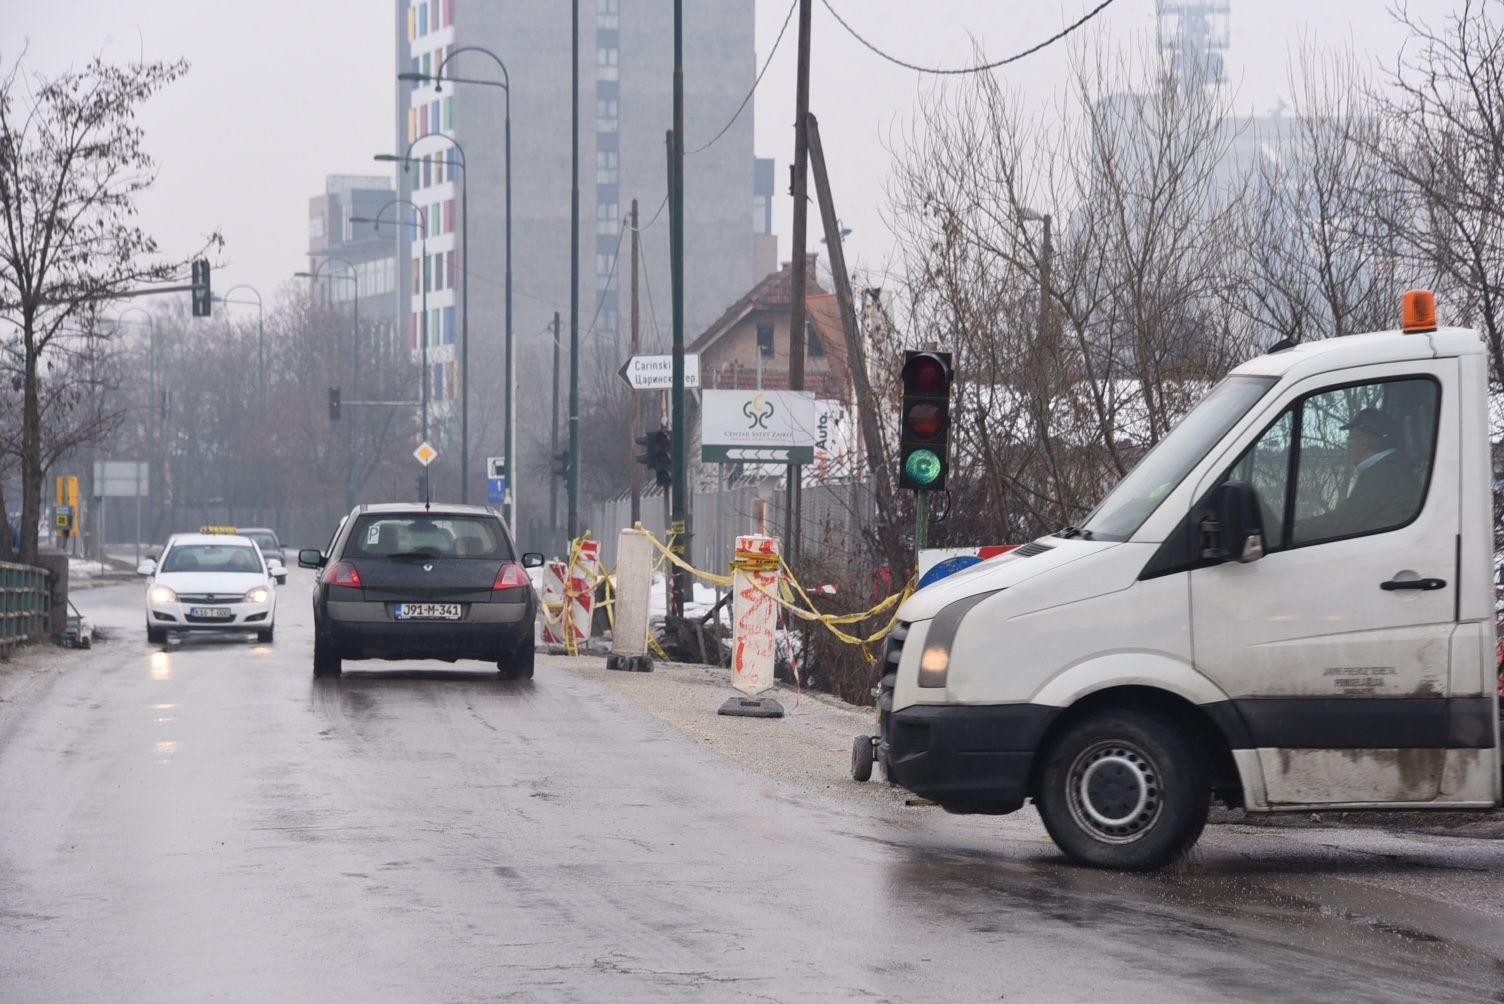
(625, 111)
(337, 244)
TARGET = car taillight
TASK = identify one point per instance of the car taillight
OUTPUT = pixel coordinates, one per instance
(342, 573)
(509, 576)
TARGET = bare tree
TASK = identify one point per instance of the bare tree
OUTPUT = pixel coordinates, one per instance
(71, 166)
(1443, 145)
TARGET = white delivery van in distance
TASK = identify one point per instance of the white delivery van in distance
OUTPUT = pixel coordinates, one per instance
(1288, 605)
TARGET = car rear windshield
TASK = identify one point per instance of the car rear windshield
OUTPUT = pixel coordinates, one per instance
(212, 558)
(265, 541)
(428, 536)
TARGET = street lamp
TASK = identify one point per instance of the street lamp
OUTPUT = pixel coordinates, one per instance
(354, 279)
(505, 83)
(422, 224)
(406, 160)
(260, 335)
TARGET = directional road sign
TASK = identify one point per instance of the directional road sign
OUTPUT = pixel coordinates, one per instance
(425, 453)
(657, 372)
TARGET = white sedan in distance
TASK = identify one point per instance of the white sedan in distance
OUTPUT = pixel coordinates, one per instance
(210, 582)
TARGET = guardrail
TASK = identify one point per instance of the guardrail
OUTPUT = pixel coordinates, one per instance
(25, 599)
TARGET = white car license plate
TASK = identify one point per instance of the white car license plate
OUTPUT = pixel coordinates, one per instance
(211, 613)
(426, 611)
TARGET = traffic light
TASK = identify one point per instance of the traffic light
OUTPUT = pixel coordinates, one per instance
(333, 404)
(560, 465)
(924, 422)
(658, 456)
(201, 296)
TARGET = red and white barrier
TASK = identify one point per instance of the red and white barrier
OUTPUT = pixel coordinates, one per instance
(554, 575)
(579, 593)
(754, 620)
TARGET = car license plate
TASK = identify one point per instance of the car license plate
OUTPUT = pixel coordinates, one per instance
(211, 613)
(426, 611)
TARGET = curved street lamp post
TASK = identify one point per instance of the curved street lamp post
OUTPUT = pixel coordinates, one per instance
(407, 159)
(505, 83)
(422, 224)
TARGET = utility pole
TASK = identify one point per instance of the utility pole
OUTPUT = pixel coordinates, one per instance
(553, 442)
(574, 272)
(679, 523)
(856, 355)
(798, 264)
(636, 396)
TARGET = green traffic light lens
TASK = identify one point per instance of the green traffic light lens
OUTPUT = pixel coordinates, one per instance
(922, 467)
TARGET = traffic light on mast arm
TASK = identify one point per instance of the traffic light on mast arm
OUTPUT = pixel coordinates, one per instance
(658, 456)
(924, 422)
(202, 300)
(334, 404)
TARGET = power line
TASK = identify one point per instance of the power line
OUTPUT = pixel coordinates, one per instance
(600, 300)
(656, 213)
(743, 106)
(941, 71)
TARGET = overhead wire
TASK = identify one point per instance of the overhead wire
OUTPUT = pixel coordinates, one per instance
(743, 106)
(943, 71)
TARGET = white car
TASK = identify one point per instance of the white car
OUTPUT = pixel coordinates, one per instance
(210, 582)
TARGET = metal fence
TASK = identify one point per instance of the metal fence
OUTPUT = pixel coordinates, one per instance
(25, 600)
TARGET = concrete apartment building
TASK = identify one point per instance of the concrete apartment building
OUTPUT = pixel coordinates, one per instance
(626, 79)
(337, 244)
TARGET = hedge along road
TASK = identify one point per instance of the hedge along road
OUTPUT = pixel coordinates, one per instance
(207, 820)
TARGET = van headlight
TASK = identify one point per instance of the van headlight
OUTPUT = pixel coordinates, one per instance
(259, 594)
(162, 595)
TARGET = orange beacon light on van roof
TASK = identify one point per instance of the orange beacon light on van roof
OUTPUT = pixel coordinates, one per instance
(1418, 311)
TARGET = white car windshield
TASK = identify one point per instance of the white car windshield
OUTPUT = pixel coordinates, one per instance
(1136, 497)
(237, 558)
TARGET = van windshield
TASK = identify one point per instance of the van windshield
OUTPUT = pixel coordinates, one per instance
(1136, 497)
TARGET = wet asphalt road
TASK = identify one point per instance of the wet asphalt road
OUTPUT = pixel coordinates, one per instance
(207, 822)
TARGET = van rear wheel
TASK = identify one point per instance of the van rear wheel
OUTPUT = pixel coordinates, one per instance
(1124, 789)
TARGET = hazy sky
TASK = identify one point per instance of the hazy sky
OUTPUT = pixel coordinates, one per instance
(283, 92)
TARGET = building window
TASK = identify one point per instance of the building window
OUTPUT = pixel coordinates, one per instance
(812, 340)
(448, 325)
(449, 113)
(765, 340)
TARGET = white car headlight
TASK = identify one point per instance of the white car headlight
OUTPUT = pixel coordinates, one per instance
(162, 594)
(259, 594)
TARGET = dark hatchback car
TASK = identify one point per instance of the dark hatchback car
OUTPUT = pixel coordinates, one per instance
(405, 581)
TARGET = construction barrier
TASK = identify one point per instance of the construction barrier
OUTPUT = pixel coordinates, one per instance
(631, 601)
(555, 574)
(754, 613)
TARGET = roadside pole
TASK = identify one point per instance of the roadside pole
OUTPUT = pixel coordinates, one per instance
(553, 441)
(680, 524)
(792, 501)
(574, 272)
(636, 430)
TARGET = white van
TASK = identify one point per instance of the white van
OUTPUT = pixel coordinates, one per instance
(1288, 605)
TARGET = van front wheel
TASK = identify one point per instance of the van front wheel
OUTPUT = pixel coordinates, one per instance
(1124, 789)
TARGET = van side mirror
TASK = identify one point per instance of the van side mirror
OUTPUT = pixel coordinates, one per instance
(532, 559)
(1234, 530)
(310, 557)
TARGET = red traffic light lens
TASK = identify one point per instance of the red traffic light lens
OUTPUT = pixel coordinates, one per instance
(924, 420)
(926, 374)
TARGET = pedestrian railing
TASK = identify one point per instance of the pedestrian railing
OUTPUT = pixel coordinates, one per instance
(24, 601)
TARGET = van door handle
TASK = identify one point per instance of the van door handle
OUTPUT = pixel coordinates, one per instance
(1394, 584)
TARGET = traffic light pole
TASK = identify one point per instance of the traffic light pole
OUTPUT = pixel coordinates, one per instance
(553, 441)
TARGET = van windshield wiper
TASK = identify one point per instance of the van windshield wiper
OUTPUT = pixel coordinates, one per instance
(1071, 532)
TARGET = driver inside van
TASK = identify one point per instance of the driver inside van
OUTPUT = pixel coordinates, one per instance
(1384, 489)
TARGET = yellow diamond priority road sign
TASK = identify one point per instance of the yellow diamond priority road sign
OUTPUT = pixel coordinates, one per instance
(425, 453)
